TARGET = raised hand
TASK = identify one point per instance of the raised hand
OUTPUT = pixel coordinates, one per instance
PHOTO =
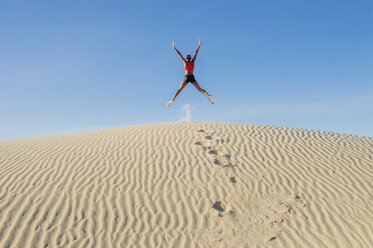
(173, 45)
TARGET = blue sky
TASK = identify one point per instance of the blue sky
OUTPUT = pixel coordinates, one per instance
(78, 65)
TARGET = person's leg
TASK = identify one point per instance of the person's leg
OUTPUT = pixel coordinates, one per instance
(195, 83)
(182, 85)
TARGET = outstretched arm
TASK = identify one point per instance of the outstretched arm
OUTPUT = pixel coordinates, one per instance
(177, 51)
(195, 53)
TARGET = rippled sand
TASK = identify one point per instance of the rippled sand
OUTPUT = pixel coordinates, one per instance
(187, 184)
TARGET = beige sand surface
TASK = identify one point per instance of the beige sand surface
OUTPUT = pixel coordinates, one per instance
(187, 184)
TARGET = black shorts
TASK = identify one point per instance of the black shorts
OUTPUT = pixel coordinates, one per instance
(189, 78)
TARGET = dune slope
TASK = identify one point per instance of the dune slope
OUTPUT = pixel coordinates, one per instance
(187, 184)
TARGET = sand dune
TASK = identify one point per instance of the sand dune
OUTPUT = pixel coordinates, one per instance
(187, 184)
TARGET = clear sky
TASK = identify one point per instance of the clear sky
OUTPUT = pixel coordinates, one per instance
(78, 65)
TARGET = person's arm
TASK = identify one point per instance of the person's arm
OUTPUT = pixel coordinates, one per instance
(177, 51)
(195, 54)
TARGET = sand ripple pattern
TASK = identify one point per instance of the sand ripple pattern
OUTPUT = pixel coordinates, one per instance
(187, 184)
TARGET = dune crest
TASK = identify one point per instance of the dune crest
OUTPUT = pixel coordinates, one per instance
(187, 184)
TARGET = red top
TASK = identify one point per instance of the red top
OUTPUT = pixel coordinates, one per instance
(189, 66)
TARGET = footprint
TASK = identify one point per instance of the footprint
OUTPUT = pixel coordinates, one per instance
(214, 152)
(218, 206)
(219, 158)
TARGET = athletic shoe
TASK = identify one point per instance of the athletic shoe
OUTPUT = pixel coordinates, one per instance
(211, 99)
(170, 102)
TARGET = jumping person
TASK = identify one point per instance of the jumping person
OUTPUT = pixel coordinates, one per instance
(189, 77)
